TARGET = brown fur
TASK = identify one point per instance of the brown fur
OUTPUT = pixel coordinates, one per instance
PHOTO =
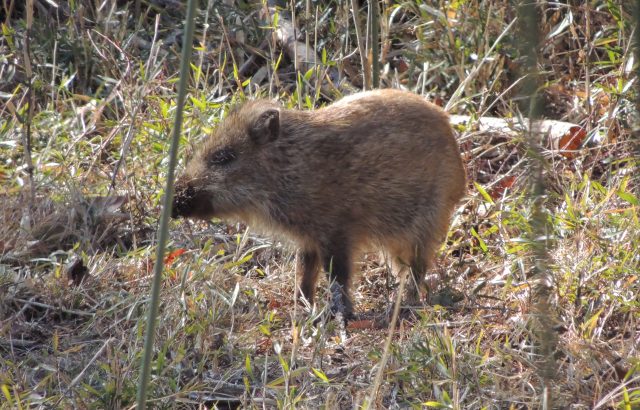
(377, 168)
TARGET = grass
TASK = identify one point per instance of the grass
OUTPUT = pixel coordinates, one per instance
(229, 333)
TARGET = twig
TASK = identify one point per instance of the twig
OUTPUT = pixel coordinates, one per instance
(366, 73)
(255, 54)
(387, 344)
(11, 344)
(463, 85)
(608, 400)
(27, 134)
(93, 359)
(587, 64)
(84, 370)
(46, 306)
(230, 49)
(375, 42)
(636, 126)
(10, 320)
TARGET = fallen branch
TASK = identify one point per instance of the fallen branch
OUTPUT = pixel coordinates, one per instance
(563, 137)
(51, 307)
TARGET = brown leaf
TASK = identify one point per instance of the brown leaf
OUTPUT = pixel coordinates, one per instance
(274, 304)
(361, 324)
(571, 141)
(263, 345)
(400, 64)
(171, 257)
(502, 185)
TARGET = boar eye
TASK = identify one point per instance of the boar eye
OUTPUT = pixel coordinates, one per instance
(222, 156)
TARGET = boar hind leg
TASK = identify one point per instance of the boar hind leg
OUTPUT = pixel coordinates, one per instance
(307, 269)
(337, 263)
(414, 261)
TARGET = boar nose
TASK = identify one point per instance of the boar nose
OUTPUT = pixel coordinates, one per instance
(180, 199)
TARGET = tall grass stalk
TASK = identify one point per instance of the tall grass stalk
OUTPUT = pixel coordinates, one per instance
(30, 101)
(362, 49)
(163, 229)
(636, 125)
(531, 104)
(375, 43)
(387, 344)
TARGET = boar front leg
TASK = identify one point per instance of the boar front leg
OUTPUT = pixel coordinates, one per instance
(337, 263)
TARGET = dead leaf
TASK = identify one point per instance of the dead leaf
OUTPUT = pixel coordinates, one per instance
(571, 141)
(274, 304)
(263, 345)
(361, 324)
(400, 64)
(498, 189)
(171, 257)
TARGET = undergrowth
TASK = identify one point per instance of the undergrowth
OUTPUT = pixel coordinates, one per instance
(93, 98)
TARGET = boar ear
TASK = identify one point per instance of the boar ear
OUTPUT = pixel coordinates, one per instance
(266, 128)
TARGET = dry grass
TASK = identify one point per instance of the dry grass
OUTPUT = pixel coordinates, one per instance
(229, 333)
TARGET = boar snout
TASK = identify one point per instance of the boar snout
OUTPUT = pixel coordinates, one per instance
(191, 201)
(182, 200)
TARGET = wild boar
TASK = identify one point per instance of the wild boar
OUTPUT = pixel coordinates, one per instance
(376, 169)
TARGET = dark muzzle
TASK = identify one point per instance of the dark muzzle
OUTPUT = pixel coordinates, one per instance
(190, 202)
(183, 201)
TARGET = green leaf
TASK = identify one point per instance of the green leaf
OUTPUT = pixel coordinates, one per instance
(236, 76)
(283, 364)
(294, 373)
(239, 262)
(435, 404)
(482, 244)
(201, 105)
(309, 73)
(264, 329)
(247, 365)
(484, 193)
(7, 394)
(320, 374)
(590, 324)
(629, 197)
